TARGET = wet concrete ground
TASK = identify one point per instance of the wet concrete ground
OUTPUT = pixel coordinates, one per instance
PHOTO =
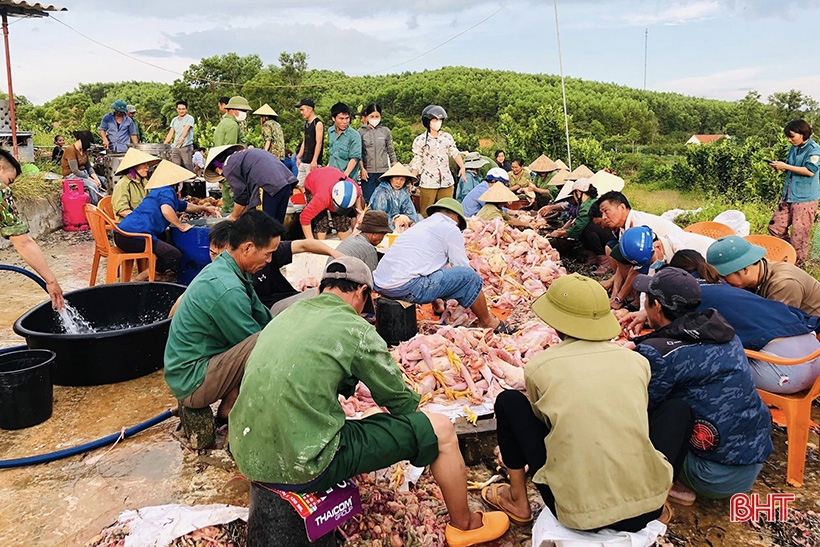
(67, 502)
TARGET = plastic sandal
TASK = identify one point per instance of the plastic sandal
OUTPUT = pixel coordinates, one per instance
(494, 524)
(490, 496)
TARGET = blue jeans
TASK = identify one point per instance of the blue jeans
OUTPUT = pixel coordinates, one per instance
(92, 188)
(462, 284)
(370, 185)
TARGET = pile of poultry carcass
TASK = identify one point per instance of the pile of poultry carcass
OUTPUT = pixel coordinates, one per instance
(461, 365)
(516, 266)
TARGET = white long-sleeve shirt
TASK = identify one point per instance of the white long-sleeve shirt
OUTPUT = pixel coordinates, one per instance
(427, 247)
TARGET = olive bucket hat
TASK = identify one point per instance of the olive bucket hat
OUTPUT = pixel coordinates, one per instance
(733, 253)
(449, 204)
(237, 102)
(579, 307)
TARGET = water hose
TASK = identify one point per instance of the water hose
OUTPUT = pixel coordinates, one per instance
(87, 447)
(33, 276)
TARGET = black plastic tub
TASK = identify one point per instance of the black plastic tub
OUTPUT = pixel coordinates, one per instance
(132, 324)
(26, 392)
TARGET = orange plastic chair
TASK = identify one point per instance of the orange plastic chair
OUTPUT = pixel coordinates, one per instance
(107, 207)
(715, 230)
(777, 250)
(796, 408)
(117, 258)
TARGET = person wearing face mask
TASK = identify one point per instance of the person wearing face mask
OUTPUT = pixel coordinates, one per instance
(155, 213)
(130, 189)
(432, 151)
(229, 131)
(378, 153)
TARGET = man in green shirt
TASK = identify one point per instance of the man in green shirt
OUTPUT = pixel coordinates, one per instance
(344, 144)
(229, 131)
(219, 317)
(288, 428)
(271, 131)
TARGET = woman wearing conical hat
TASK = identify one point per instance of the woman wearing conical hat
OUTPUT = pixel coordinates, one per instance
(130, 189)
(497, 196)
(271, 131)
(393, 197)
(156, 212)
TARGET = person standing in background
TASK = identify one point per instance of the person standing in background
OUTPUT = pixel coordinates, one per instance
(222, 103)
(57, 152)
(131, 110)
(309, 156)
(271, 131)
(198, 159)
(344, 144)
(798, 200)
(501, 161)
(117, 129)
(432, 151)
(229, 131)
(378, 154)
(181, 135)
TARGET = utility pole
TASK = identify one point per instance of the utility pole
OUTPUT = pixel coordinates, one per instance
(645, 54)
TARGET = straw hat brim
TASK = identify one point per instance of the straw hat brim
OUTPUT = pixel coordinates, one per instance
(498, 193)
(399, 170)
(581, 172)
(543, 165)
(559, 178)
(133, 158)
(265, 110)
(168, 174)
(218, 153)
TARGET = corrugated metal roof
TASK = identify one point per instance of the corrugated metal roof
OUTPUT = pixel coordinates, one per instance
(30, 9)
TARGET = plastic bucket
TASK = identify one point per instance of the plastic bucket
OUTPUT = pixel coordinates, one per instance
(395, 321)
(26, 392)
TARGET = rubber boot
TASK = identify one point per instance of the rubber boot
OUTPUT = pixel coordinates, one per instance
(198, 425)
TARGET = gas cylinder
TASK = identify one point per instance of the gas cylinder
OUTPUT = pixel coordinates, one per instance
(73, 200)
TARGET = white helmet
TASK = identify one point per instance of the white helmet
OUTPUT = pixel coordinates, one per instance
(344, 194)
(497, 174)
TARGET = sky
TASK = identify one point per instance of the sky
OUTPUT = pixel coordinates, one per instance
(706, 48)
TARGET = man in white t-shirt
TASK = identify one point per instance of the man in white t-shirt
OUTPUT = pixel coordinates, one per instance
(181, 137)
(618, 216)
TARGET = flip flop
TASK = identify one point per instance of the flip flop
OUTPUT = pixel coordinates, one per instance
(493, 488)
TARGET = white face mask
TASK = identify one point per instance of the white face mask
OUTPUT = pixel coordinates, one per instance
(241, 116)
(435, 125)
(374, 121)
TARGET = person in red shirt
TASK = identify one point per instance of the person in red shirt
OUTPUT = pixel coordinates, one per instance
(319, 188)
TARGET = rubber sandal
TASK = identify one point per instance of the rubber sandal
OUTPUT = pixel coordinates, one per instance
(493, 502)
(666, 514)
(494, 524)
(504, 328)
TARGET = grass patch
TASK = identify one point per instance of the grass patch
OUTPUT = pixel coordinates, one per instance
(36, 187)
(655, 201)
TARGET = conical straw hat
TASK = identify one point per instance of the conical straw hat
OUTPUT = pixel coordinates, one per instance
(606, 182)
(221, 152)
(543, 165)
(581, 172)
(399, 170)
(265, 110)
(561, 165)
(498, 193)
(561, 177)
(168, 174)
(134, 157)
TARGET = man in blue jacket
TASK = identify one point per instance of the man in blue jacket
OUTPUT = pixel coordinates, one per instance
(696, 356)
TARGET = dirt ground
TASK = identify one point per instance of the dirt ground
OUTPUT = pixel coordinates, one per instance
(67, 502)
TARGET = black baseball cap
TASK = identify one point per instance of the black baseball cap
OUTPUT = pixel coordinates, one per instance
(674, 288)
(306, 102)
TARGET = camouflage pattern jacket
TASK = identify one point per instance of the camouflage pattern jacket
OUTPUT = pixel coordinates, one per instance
(699, 359)
(10, 222)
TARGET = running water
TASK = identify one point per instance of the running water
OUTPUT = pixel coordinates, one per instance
(74, 323)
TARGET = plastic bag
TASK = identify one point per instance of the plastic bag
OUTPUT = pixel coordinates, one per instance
(548, 532)
(736, 220)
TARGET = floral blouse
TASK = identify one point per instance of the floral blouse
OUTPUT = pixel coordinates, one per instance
(431, 158)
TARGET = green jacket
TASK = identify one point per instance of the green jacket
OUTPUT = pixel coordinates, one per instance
(218, 310)
(284, 427)
(581, 220)
(602, 466)
(228, 131)
(128, 193)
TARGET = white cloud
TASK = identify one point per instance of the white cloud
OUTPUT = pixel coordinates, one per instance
(732, 85)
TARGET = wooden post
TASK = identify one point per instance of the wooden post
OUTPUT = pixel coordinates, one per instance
(12, 115)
